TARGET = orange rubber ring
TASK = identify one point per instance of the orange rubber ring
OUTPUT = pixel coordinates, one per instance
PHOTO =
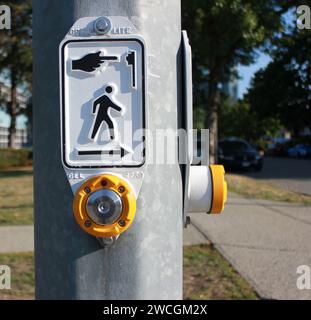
(112, 182)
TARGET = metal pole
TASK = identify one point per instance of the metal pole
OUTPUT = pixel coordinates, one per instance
(146, 261)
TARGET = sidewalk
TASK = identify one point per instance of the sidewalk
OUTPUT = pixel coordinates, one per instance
(16, 239)
(265, 241)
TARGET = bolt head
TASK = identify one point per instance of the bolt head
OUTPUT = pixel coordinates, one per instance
(121, 189)
(107, 242)
(87, 189)
(87, 223)
(102, 25)
(122, 223)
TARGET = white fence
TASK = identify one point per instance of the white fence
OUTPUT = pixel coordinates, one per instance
(20, 141)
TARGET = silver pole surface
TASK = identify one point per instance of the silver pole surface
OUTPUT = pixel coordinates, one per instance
(146, 262)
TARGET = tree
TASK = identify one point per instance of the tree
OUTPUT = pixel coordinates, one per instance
(16, 58)
(223, 34)
(240, 121)
(283, 89)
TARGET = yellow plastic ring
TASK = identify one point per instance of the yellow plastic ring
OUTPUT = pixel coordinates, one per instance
(219, 188)
(118, 185)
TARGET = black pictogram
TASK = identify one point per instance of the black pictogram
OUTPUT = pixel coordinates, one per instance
(104, 103)
(91, 62)
(131, 61)
(122, 152)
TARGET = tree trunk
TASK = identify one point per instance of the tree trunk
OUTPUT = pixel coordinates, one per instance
(213, 100)
(13, 112)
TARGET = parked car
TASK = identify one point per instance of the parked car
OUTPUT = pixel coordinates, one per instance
(279, 149)
(299, 150)
(237, 154)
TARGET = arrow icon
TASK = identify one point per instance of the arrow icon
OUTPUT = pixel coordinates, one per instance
(122, 152)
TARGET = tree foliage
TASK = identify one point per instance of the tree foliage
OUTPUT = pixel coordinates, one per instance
(16, 57)
(15, 44)
(240, 121)
(223, 34)
(283, 89)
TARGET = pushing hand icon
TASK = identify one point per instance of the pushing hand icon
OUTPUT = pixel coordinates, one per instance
(91, 62)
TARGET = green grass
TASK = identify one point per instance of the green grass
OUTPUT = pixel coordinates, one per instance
(22, 276)
(251, 188)
(16, 201)
(208, 276)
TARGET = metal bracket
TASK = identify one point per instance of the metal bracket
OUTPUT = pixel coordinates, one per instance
(187, 109)
(107, 242)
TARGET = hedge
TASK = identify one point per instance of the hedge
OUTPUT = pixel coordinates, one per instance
(15, 158)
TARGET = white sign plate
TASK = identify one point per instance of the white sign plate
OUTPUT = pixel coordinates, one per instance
(103, 102)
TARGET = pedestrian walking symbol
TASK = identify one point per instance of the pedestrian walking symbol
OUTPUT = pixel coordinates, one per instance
(103, 102)
(102, 105)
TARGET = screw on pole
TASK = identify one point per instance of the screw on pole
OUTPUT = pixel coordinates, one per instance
(102, 25)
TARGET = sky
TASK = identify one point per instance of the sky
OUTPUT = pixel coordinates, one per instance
(21, 121)
(246, 73)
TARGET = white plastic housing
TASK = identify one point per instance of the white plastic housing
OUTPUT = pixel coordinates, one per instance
(200, 190)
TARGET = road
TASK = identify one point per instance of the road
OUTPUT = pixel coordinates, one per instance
(291, 174)
(265, 242)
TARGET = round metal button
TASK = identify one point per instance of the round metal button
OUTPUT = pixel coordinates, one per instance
(104, 206)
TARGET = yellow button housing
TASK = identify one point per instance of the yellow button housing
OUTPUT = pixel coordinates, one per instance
(118, 185)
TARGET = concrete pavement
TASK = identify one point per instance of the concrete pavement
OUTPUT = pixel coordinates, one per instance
(265, 241)
(291, 174)
(16, 239)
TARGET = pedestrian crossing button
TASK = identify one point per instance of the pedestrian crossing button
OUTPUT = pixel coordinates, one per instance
(104, 206)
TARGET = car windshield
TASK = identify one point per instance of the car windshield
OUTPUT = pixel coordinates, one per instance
(228, 146)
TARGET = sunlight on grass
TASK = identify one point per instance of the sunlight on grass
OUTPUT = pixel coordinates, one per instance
(22, 276)
(251, 188)
(16, 201)
(208, 276)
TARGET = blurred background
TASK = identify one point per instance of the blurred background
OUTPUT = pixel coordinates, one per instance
(251, 68)
(252, 81)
